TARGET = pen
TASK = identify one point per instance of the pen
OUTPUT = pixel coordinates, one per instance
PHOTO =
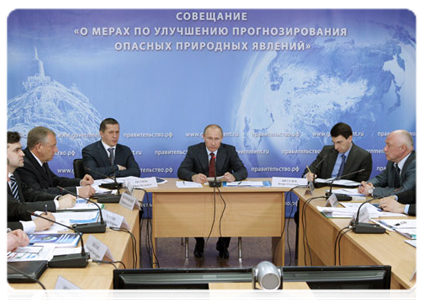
(308, 169)
(398, 224)
(239, 182)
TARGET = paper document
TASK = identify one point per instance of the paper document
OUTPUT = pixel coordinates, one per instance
(69, 218)
(343, 182)
(349, 192)
(188, 185)
(350, 209)
(28, 253)
(82, 204)
(245, 183)
(400, 223)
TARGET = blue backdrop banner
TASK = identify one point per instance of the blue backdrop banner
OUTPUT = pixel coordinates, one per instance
(275, 80)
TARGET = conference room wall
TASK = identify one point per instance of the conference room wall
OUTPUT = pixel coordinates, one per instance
(275, 80)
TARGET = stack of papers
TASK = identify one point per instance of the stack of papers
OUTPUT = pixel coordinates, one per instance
(406, 227)
(350, 209)
(188, 185)
(343, 182)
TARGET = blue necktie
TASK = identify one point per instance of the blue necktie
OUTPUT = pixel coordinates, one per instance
(341, 168)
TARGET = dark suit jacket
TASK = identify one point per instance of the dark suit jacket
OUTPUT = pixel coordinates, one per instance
(384, 182)
(408, 197)
(95, 157)
(35, 200)
(40, 179)
(358, 159)
(16, 211)
(197, 161)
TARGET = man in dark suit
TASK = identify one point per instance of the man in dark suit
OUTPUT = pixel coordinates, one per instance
(35, 200)
(107, 156)
(36, 173)
(404, 202)
(341, 158)
(17, 215)
(196, 167)
(400, 172)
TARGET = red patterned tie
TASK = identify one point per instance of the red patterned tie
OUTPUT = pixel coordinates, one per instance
(212, 165)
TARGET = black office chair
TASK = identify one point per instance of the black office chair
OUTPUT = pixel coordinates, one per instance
(78, 168)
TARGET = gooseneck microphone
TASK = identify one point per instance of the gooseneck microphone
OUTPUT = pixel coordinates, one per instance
(358, 227)
(96, 227)
(68, 260)
(318, 164)
(113, 186)
(328, 194)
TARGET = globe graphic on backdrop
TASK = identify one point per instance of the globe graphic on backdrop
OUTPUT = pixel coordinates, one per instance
(290, 95)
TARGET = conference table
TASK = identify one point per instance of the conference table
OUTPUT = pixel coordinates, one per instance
(98, 276)
(318, 241)
(226, 211)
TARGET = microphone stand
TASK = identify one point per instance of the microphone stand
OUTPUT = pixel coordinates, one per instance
(358, 227)
(113, 186)
(68, 260)
(107, 198)
(96, 227)
(328, 194)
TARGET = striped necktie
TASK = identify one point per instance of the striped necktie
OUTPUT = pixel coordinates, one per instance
(14, 187)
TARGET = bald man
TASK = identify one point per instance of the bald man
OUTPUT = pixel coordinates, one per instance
(400, 172)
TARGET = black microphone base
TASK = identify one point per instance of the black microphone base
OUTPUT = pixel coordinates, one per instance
(97, 227)
(107, 198)
(368, 228)
(215, 183)
(111, 186)
(339, 197)
(69, 261)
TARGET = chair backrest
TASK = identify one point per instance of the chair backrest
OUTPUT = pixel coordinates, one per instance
(78, 168)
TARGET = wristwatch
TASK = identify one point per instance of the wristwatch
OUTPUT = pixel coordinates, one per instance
(371, 190)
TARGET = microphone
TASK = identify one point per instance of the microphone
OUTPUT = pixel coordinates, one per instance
(68, 260)
(215, 183)
(107, 198)
(328, 194)
(96, 227)
(318, 164)
(358, 227)
(113, 186)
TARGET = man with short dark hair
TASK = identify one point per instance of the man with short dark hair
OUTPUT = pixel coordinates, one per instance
(341, 158)
(36, 173)
(17, 215)
(400, 172)
(198, 165)
(107, 156)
